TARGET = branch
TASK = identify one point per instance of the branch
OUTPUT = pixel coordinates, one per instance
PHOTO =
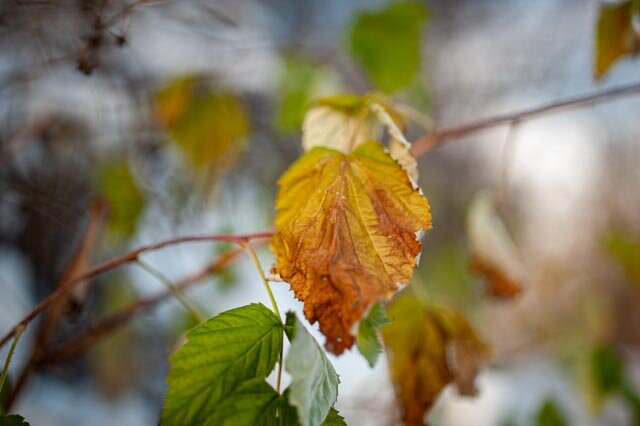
(437, 137)
(121, 260)
(95, 332)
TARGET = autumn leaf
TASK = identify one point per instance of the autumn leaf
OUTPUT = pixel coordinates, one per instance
(493, 253)
(616, 35)
(210, 127)
(346, 234)
(428, 348)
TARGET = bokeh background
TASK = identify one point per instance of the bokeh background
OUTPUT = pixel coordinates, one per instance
(153, 119)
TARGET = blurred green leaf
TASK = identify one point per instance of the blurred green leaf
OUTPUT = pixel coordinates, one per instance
(387, 44)
(126, 201)
(615, 35)
(367, 339)
(626, 251)
(221, 355)
(295, 92)
(334, 419)
(549, 414)
(13, 420)
(314, 382)
(209, 127)
(607, 370)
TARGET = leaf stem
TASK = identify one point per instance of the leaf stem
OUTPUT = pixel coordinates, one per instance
(252, 254)
(174, 290)
(5, 370)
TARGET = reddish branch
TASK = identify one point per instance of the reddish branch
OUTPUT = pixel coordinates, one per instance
(437, 137)
(121, 260)
(105, 326)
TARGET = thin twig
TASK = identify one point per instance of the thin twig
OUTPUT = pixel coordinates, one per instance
(437, 137)
(81, 342)
(118, 261)
(190, 307)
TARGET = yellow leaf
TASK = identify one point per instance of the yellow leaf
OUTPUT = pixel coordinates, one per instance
(615, 36)
(209, 127)
(346, 234)
(429, 347)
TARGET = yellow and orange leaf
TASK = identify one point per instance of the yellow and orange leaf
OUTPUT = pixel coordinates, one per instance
(346, 234)
(429, 347)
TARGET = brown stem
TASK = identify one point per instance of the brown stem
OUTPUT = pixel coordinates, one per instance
(121, 260)
(437, 137)
(95, 332)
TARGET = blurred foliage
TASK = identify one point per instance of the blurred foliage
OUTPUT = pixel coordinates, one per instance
(549, 414)
(118, 185)
(429, 346)
(626, 250)
(607, 370)
(294, 92)
(616, 34)
(445, 275)
(209, 127)
(13, 420)
(387, 44)
(112, 360)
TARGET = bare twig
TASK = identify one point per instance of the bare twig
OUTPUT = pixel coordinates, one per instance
(104, 327)
(132, 256)
(437, 137)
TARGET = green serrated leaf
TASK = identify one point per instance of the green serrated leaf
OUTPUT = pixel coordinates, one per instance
(221, 354)
(387, 44)
(550, 415)
(314, 382)
(367, 340)
(289, 416)
(13, 420)
(254, 402)
(334, 419)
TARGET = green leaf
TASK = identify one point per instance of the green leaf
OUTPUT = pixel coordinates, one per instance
(210, 127)
(367, 340)
(334, 419)
(607, 370)
(221, 354)
(387, 44)
(289, 415)
(626, 251)
(550, 415)
(314, 382)
(13, 420)
(615, 35)
(126, 201)
(295, 93)
(254, 402)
